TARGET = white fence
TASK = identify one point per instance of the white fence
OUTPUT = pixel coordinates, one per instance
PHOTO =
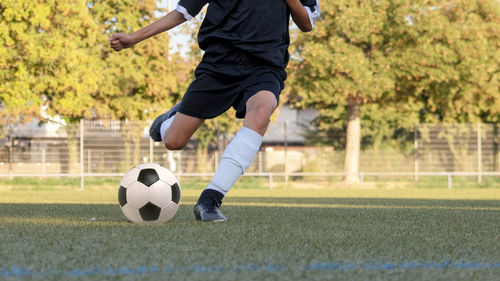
(110, 148)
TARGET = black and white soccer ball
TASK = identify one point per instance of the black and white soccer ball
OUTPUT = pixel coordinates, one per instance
(149, 193)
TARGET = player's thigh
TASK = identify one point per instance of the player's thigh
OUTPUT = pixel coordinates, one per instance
(259, 109)
(181, 130)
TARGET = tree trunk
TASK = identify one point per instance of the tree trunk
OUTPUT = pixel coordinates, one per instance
(70, 164)
(353, 140)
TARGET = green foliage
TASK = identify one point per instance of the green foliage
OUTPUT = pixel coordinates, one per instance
(44, 58)
(56, 55)
(407, 61)
(343, 57)
(449, 68)
(345, 62)
(146, 79)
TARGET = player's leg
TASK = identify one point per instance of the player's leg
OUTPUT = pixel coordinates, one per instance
(162, 123)
(174, 129)
(260, 107)
(180, 131)
(238, 155)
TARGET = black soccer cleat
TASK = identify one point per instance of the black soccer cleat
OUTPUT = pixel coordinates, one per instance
(207, 207)
(154, 130)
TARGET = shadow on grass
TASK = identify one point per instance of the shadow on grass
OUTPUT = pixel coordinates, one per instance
(111, 212)
(80, 212)
(368, 202)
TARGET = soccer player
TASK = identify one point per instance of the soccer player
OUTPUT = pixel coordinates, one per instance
(246, 52)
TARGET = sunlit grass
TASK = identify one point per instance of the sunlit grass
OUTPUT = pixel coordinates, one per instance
(108, 194)
(279, 234)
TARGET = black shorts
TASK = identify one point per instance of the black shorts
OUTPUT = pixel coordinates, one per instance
(228, 77)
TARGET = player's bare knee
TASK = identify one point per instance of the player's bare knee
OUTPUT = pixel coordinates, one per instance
(257, 120)
(174, 144)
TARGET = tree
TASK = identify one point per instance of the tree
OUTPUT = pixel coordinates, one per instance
(56, 54)
(401, 61)
(343, 64)
(44, 59)
(145, 80)
(55, 58)
(141, 82)
(46, 62)
(450, 69)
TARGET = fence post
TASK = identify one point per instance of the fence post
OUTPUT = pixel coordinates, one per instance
(179, 164)
(415, 141)
(496, 151)
(260, 161)
(89, 161)
(82, 178)
(172, 162)
(450, 181)
(43, 161)
(479, 154)
(11, 144)
(151, 150)
(362, 180)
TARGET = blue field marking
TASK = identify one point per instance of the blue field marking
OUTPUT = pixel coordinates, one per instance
(15, 271)
(328, 266)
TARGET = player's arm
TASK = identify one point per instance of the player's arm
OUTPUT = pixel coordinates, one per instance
(121, 41)
(186, 10)
(304, 13)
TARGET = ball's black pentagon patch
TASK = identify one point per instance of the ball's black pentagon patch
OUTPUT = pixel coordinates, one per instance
(148, 177)
(122, 196)
(150, 212)
(176, 193)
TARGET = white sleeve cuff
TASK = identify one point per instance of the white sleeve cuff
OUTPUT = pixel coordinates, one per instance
(184, 12)
(313, 16)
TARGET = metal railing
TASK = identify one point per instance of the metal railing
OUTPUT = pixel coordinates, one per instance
(110, 148)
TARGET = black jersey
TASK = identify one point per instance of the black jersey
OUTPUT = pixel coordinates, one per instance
(259, 27)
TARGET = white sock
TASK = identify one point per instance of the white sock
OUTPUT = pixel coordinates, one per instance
(164, 127)
(236, 159)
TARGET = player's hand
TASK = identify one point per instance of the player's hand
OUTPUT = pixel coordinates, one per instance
(120, 41)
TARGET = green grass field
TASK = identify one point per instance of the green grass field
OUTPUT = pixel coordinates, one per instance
(280, 234)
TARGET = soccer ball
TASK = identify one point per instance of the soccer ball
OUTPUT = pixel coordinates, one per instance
(149, 193)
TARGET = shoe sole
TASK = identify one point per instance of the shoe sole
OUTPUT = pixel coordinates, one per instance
(221, 220)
